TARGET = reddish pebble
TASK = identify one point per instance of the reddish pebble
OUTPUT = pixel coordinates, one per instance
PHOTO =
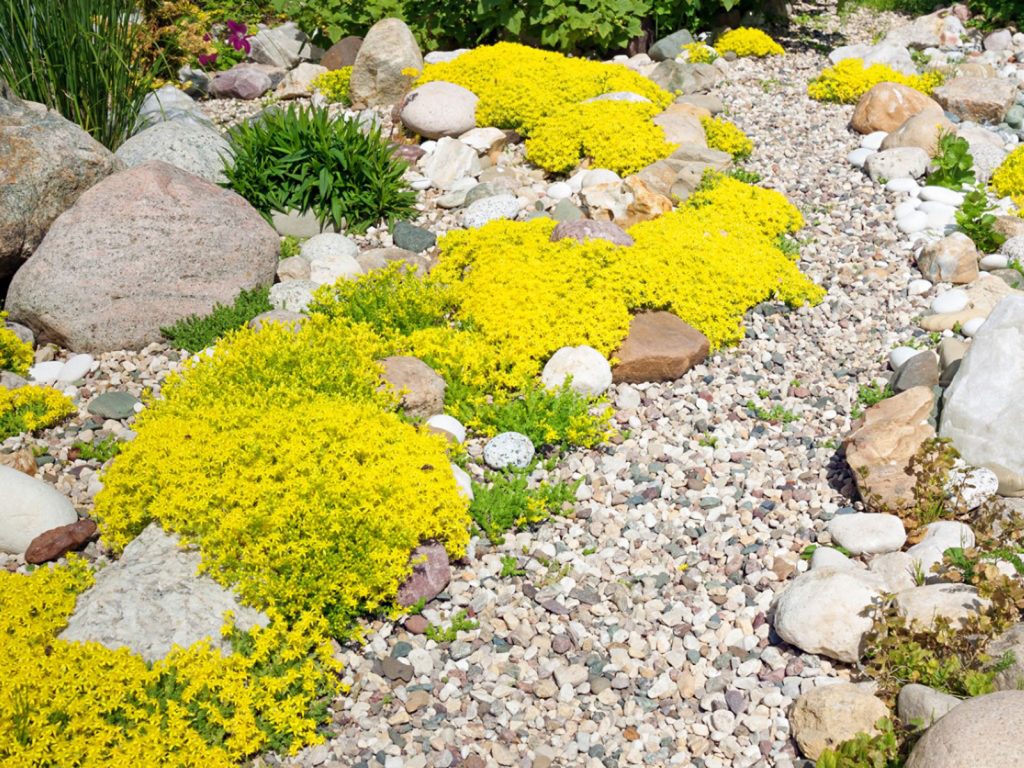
(55, 542)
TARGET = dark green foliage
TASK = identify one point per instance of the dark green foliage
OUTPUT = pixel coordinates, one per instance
(302, 160)
(977, 222)
(989, 14)
(741, 174)
(82, 58)
(197, 333)
(889, 749)
(101, 451)
(509, 503)
(954, 165)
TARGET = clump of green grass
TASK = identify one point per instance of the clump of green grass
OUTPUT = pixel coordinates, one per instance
(509, 502)
(196, 333)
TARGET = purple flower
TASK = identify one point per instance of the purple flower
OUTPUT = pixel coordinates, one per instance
(206, 59)
(237, 37)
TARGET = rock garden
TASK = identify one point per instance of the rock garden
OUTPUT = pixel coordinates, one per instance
(539, 384)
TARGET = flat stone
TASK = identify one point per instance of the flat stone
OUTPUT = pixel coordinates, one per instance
(868, 532)
(589, 229)
(899, 163)
(982, 99)
(431, 573)
(113, 405)
(412, 238)
(57, 542)
(659, 347)
(956, 602)
(490, 209)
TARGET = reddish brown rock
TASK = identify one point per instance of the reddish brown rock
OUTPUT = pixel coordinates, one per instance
(342, 53)
(20, 460)
(59, 541)
(430, 575)
(416, 625)
(659, 347)
(879, 452)
(887, 106)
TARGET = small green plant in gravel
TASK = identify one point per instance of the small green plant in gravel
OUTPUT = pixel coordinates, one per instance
(508, 502)
(510, 567)
(889, 748)
(810, 549)
(305, 160)
(195, 333)
(290, 246)
(954, 165)
(102, 451)
(742, 174)
(975, 219)
(777, 413)
(869, 395)
(460, 623)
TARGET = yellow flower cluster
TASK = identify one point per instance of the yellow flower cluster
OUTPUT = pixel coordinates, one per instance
(518, 86)
(15, 355)
(724, 136)
(746, 41)
(82, 704)
(617, 135)
(1008, 178)
(708, 262)
(28, 409)
(279, 458)
(700, 53)
(848, 80)
(334, 84)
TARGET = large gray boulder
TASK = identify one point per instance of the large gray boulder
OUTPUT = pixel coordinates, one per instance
(46, 163)
(141, 250)
(170, 103)
(983, 732)
(151, 600)
(983, 410)
(283, 46)
(193, 148)
(377, 77)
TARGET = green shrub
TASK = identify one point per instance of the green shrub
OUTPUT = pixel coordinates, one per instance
(954, 165)
(197, 333)
(303, 160)
(976, 220)
(889, 748)
(83, 58)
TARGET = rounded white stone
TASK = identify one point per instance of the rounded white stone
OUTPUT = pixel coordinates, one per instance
(509, 449)
(43, 373)
(971, 327)
(448, 424)
(599, 176)
(463, 481)
(953, 300)
(873, 140)
(899, 355)
(914, 221)
(29, 507)
(591, 373)
(909, 186)
(906, 207)
(559, 190)
(995, 261)
(420, 184)
(919, 287)
(428, 146)
(76, 367)
(868, 532)
(858, 157)
(942, 195)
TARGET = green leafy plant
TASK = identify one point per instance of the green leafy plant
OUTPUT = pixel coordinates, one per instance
(304, 160)
(290, 246)
(810, 549)
(196, 333)
(742, 174)
(83, 58)
(509, 502)
(510, 567)
(102, 451)
(777, 413)
(889, 748)
(954, 165)
(868, 395)
(460, 623)
(977, 222)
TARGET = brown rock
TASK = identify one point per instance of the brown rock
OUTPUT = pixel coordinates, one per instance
(953, 259)
(921, 130)
(430, 575)
(421, 390)
(416, 625)
(22, 461)
(828, 715)
(647, 203)
(343, 53)
(139, 251)
(1009, 226)
(879, 452)
(887, 106)
(378, 258)
(659, 176)
(681, 126)
(659, 347)
(981, 99)
(59, 541)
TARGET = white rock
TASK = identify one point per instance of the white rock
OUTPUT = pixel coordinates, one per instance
(331, 257)
(827, 557)
(908, 186)
(450, 161)
(974, 486)
(823, 611)
(599, 176)
(918, 287)
(294, 295)
(328, 244)
(449, 425)
(940, 536)
(76, 367)
(914, 221)
(463, 481)
(438, 108)
(858, 157)
(906, 207)
(992, 261)
(953, 300)
(29, 507)
(45, 373)
(897, 163)
(919, 702)
(484, 140)
(934, 206)
(509, 449)
(488, 209)
(942, 195)
(868, 532)
(873, 141)
(899, 355)
(576, 180)
(559, 190)
(896, 569)
(972, 326)
(956, 602)
(628, 398)
(590, 370)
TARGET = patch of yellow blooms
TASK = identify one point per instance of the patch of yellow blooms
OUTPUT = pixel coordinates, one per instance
(334, 84)
(15, 354)
(724, 136)
(700, 53)
(746, 41)
(1008, 178)
(848, 80)
(82, 704)
(30, 408)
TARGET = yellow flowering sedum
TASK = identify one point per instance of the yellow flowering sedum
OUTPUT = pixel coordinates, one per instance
(334, 84)
(617, 135)
(700, 53)
(848, 80)
(28, 409)
(82, 704)
(724, 136)
(518, 86)
(746, 41)
(1008, 178)
(15, 355)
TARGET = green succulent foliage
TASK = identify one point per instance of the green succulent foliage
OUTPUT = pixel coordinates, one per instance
(196, 333)
(954, 164)
(508, 502)
(300, 159)
(889, 748)
(975, 219)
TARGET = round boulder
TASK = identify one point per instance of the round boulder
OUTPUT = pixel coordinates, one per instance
(591, 373)
(420, 389)
(887, 106)
(28, 508)
(825, 717)
(983, 731)
(191, 147)
(139, 251)
(439, 109)
(509, 449)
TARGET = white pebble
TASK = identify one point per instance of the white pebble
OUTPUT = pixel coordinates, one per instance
(914, 221)
(873, 140)
(44, 373)
(995, 261)
(428, 146)
(899, 355)
(463, 482)
(918, 287)
(971, 327)
(860, 156)
(953, 300)
(559, 190)
(908, 186)
(942, 195)
(906, 207)
(75, 368)
(449, 424)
